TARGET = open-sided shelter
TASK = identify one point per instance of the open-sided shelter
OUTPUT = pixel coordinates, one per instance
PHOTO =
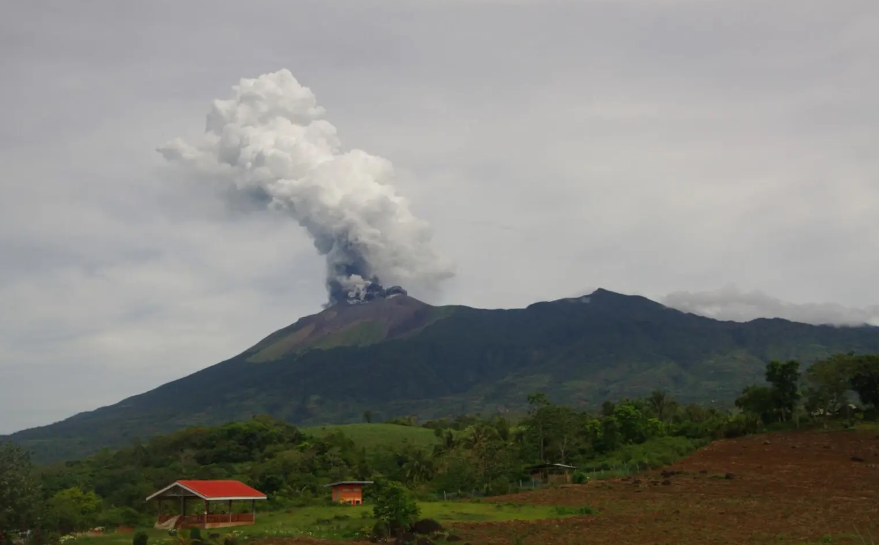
(551, 473)
(350, 492)
(202, 494)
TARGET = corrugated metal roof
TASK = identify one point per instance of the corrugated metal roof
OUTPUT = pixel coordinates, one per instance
(222, 489)
(342, 483)
(215, 490)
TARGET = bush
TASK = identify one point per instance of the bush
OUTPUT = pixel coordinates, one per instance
(120, 516)
(380, 529)
(140, 538)
(562, 510)
(580, 477)
(395, 506)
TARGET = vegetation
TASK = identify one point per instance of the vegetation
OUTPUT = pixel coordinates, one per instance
(395, 508)
(19, 495)
(461, 360)
(465, 456)
(373, 436)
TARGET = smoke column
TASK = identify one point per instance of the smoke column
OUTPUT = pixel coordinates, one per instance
(270, 139)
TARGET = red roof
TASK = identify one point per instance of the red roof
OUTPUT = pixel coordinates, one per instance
(222, 489)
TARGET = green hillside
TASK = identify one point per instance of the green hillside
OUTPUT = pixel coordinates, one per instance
(399, 357)
(372, 436)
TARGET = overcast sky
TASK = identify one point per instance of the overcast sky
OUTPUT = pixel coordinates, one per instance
(723, 152)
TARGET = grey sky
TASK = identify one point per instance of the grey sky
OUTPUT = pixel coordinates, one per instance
(644, 146)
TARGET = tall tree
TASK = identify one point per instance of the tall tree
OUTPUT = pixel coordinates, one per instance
(19, 493)
(662, 404)
(828, 381)
(784, 378)
(539, 420)
(865, 378)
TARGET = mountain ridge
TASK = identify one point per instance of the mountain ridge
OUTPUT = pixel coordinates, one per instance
(400, 356)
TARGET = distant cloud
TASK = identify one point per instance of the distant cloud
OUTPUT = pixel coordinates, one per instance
(731, 303)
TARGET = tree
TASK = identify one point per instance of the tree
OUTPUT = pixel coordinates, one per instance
(367, 417)
(865, 378)
(419, 466)
(757, 400)
(19, 494)
(537, 403)
(72, 509)
(662, 404)
(395, 506)
(785, 393)
(631, 423)
(828, 381)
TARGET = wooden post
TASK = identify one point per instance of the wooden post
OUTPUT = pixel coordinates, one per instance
(253, 509)
(183, 506)
(230, 510)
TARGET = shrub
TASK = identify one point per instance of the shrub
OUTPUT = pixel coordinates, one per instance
(140, 538)
(395, 506)
(562, 510)
(380, 529)
(120, 516)
(580, 477)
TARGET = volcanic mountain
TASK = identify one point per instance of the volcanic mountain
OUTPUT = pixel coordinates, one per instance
(398, 356)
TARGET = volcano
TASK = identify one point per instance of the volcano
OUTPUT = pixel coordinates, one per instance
(397, 356)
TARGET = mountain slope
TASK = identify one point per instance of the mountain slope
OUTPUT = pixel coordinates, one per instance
(399, 356)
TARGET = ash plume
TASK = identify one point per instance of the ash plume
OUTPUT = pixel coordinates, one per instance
(270, 139)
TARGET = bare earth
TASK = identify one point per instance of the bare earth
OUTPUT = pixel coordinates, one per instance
(785, 488)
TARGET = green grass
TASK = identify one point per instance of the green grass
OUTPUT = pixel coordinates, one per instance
(372, 436)
(343, 522)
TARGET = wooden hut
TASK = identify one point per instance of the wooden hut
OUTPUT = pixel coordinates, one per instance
(202, 494)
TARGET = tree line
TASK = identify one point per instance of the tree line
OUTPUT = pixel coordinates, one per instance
(472, 453)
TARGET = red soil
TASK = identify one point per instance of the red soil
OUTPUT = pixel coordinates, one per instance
(784, 488)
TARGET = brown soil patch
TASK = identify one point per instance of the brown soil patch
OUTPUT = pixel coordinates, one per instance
(783, 488)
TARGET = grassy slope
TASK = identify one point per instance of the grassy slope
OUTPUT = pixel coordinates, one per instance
(371, 436)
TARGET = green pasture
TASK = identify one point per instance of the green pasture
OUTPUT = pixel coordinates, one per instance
(374, 436)
(346, 522)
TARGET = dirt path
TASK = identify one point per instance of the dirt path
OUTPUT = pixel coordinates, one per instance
(783, 488)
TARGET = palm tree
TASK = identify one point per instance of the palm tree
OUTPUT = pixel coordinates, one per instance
(662, 404)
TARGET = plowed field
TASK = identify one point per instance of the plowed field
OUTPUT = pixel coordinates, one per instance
(782, 488)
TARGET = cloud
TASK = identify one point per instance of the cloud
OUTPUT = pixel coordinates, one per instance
(643, 147)
(731, 303)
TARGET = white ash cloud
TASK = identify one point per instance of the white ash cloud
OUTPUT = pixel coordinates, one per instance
(731, 303)
(270, 139)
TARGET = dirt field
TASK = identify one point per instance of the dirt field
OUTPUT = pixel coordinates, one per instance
(782, 488)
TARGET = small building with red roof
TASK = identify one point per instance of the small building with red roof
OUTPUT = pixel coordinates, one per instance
(230, 497)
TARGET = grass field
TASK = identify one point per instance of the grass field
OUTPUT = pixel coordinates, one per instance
(372, 436)
(349, 522)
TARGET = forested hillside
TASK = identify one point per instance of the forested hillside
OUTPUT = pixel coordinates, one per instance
(399, 357)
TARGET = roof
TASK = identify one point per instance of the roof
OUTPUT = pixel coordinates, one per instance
(213, 490)
(341, 483)
(551, 466)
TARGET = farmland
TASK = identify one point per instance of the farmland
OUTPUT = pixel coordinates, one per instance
(806, 487)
